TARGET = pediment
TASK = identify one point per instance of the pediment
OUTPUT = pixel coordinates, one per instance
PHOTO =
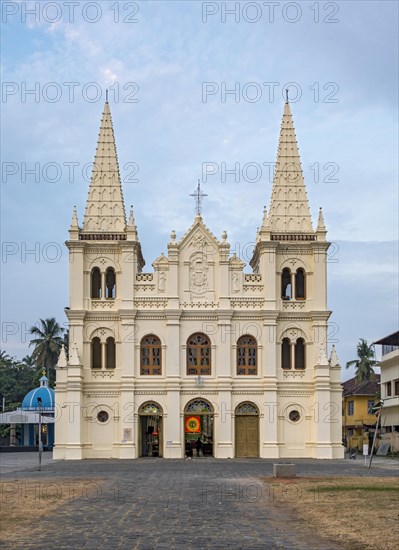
(161, 262)
(236, 263)
(199, 238)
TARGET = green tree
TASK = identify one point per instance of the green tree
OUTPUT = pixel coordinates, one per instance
(16, 379)
(365, 362)
(29, 361)
(48, 340)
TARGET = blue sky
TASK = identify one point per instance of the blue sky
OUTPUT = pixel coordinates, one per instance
(341, 61)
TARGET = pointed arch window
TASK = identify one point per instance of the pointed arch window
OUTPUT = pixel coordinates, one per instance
(300, 354)
(150, 355)
(286, 353)
(247, 355)
(198, 354)
(96, 291)
(110, 284)
(286, 285)
(96, 362)
(110, 353)
(300, 290)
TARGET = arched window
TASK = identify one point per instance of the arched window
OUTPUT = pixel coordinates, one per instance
(110, 353)
(150, 355)
(300, 353)
(286, 288)
(198, 354)
(96, 283)
(96, 362)
(286, 354)
(300, 284)
(110, 284)
(246, 409)
(246, 355)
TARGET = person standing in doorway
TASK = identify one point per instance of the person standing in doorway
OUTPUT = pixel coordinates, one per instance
(198, 446)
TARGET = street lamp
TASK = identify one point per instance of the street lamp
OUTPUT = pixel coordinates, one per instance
(39, 400)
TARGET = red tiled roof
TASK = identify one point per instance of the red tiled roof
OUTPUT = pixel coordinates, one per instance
(368, 387)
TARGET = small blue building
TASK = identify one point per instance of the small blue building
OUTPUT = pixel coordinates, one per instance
(28, 416)
(31, 403)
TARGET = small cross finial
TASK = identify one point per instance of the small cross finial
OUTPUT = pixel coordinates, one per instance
(286, 95)
(198, 195)
(106, 95)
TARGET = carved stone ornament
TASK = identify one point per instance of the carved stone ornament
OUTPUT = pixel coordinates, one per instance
(198, 273)
(236, 282)
(198, 241)
(161, 281)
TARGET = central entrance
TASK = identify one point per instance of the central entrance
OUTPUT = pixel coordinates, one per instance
(198, 428)
(150, 444)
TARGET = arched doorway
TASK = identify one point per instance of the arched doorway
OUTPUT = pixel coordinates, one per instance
(198, 428)
(150, 432)
(247, 430)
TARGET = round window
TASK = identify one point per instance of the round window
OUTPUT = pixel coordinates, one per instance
(102, 416)
(294, 416)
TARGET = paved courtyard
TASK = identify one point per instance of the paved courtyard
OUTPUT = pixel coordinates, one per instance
(167, 504)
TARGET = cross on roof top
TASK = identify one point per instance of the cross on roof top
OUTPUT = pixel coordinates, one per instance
(198, 195)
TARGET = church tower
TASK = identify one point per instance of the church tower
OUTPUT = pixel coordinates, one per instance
(290, 252)
(197, 349)
(104, 257)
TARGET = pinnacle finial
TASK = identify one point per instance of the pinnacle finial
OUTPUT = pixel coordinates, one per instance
(131, 216)
(320, 222)
(106, 95)
(286, 95)
(74, 222)
(62, 358)
(334, 361)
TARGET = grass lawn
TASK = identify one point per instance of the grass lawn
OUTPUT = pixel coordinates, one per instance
(359, 512)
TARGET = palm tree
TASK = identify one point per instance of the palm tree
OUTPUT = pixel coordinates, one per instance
(48, 341)
(29, 361)
(364, 365)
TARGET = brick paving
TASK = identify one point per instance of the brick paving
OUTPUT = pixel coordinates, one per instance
(160, 504)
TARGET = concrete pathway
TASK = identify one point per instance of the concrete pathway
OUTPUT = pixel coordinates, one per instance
(149, 504)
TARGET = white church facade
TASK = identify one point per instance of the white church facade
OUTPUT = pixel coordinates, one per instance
(196, 356)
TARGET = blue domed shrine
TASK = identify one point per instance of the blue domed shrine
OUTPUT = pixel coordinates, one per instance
(37, 407)
(31, 400)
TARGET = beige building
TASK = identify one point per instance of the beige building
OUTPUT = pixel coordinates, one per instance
(196, 356)
(390, 389)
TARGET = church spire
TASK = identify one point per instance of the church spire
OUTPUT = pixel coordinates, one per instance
(105, 210)
(289, 208)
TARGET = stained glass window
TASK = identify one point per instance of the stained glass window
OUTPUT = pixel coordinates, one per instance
(246, 408)
(151, 408)
(199, 406)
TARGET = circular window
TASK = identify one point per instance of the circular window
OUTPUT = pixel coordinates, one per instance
(102, 416)
(294, 416)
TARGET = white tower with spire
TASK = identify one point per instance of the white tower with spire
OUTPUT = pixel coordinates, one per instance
(197, 347)
(291, 253)
(105, 255)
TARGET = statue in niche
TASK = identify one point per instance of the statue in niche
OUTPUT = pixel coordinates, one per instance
(161, 281)
(236, 282)
(198, 274)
